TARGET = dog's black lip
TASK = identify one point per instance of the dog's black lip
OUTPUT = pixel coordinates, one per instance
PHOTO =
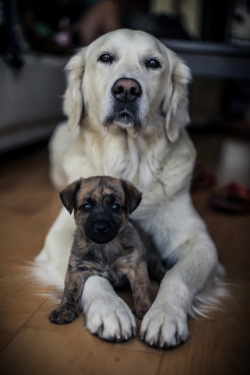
(126, 116)
(120, 118)
(101, 241)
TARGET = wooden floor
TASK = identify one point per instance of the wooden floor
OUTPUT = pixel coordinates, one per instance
(31, 345)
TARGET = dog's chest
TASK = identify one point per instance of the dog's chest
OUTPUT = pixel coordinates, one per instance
(103, 261)
(133, 159)
(137, 159)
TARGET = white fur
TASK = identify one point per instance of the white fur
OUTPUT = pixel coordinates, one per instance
(158, 159)
(108, 316)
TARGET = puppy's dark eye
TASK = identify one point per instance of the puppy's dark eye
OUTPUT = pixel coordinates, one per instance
(106, 58)
(115, 207)
(153, 64)
(85, 207)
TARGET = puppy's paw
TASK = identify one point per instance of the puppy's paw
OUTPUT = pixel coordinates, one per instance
(141, 308)
(164, 326)
(63, 315)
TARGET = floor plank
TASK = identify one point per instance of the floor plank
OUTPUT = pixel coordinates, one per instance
(39, 351)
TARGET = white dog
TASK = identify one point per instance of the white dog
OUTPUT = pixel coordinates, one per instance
(128, 94)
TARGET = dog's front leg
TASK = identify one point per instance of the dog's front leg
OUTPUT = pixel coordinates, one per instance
(107, 315)
(67, 311)
(165, 324)
(140, 284)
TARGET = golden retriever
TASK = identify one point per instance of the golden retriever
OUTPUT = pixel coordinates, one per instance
(127, 107)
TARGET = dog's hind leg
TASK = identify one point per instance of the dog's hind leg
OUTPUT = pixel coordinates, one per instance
(51, 264)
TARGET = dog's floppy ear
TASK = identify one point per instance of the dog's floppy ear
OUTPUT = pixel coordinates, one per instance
(73, 98)
(68, 195)
(133, 196)
(176, 106)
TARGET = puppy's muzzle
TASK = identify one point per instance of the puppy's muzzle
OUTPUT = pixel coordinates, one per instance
(126, 90)
(101, 228)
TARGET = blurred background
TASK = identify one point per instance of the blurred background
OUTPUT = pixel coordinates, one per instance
(38, 37)
(36, 40)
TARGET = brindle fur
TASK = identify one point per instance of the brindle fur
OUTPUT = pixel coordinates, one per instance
(123, 258)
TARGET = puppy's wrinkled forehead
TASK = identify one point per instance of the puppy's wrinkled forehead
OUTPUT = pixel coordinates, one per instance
(100, 188)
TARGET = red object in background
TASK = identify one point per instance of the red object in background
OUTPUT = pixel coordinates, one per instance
(231, 198)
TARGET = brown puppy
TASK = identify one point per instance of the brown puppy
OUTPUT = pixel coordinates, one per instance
(106, 243)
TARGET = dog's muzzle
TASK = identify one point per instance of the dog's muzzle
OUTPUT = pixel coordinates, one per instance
(101, 229)
(126, 93)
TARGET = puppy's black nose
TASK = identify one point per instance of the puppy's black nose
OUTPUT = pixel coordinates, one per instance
(101, 226)
(126, 90)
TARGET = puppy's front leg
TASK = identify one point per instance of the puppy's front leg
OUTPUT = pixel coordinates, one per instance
(140, 284)
(67, 311)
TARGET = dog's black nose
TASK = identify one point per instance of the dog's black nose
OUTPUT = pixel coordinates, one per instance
(101, 226)
(126, 90)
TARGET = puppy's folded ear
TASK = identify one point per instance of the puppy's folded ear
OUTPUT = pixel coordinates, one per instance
(176, 106)
(73, 98)
(68, 195)
(133, 196)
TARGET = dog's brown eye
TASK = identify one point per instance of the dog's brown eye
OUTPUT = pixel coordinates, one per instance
(115, 207)
(153, 63)
(86, 207)
(106, 58)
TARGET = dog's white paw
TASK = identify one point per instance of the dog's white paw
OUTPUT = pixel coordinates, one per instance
(112, 321)
(164, 326)
(107, 315)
